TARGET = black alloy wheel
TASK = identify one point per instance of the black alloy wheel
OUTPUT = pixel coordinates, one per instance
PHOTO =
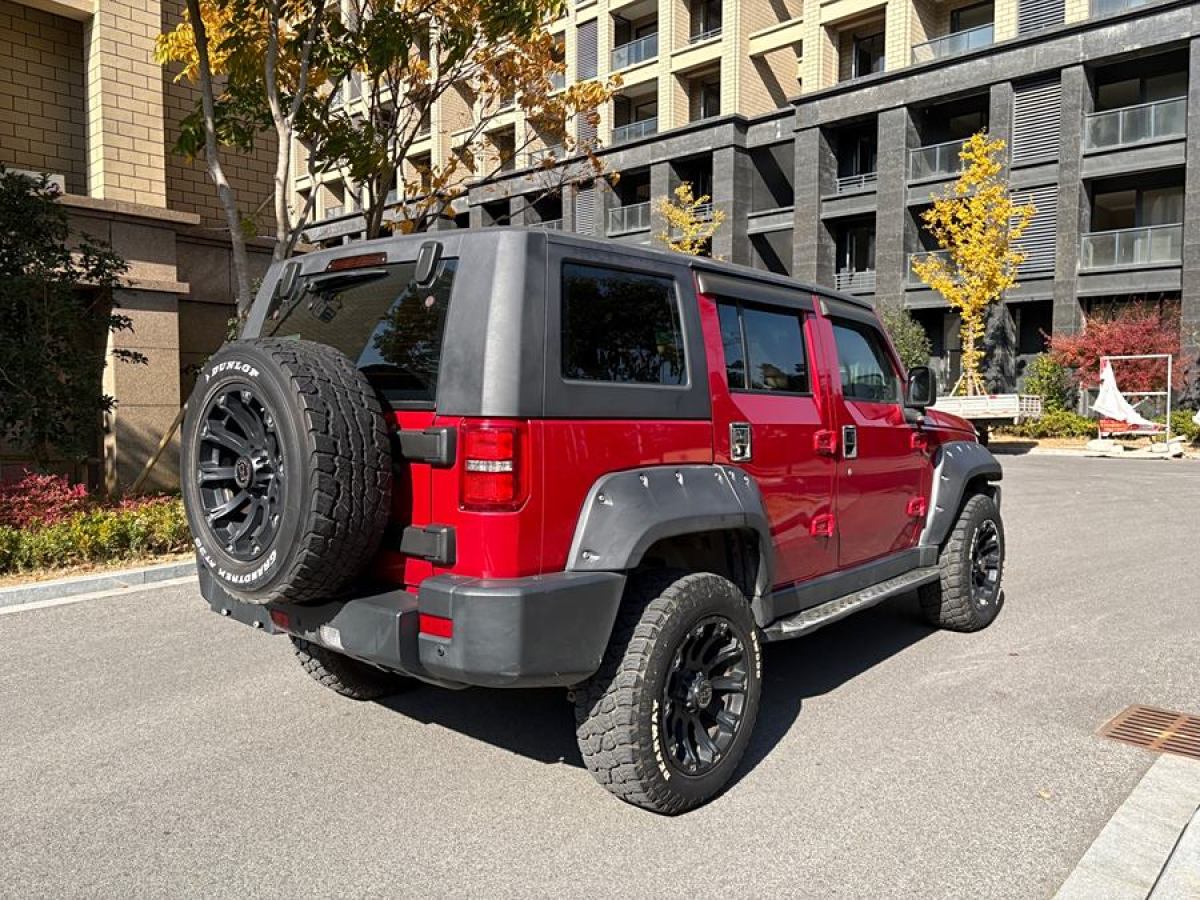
(704, 698)
(985, 563)
(240, 474)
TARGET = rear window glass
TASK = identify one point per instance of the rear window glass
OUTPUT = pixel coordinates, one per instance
(621, 327)
(379, 318)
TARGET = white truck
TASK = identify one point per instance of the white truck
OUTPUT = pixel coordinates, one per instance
(987, 410)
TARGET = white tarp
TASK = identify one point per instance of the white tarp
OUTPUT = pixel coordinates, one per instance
(1111, 403)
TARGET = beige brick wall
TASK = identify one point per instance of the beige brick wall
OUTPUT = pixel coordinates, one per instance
(42, 114)
(188, 187)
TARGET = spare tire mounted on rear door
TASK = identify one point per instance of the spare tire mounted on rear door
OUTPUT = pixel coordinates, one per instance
(285, 470)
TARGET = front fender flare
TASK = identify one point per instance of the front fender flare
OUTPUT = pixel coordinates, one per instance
(625, 513)
(955, 465)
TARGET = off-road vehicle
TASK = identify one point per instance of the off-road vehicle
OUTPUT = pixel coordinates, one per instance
(514, 458)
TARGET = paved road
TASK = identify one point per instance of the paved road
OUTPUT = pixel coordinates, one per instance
(148, 747)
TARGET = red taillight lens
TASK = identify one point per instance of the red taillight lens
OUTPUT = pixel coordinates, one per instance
(492, 465)
(436, 626)
(281, 620)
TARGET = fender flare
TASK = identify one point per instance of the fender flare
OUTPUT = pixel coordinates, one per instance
(955, 465)
(626, 512)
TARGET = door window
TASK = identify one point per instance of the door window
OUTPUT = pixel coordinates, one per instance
(866, 368)
(764, 349)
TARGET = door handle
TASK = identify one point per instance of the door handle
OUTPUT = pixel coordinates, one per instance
(849, 442)
(740, 445)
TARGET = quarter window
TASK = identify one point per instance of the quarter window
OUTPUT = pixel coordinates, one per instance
(621, 327)
(866, 368)
(764, 349)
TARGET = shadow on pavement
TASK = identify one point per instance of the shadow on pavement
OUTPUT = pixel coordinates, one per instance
(538, 724)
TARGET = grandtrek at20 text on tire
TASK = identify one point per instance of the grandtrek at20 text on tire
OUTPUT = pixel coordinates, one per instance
(967, 597)
(285, 470)
(666, 719)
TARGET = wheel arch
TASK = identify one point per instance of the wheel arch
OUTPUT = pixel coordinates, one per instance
(961, 469)
(677, 516)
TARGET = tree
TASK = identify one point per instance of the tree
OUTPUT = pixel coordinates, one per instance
(1130, 329)
(56, 310)
(356, 85)
(908, 337)
(977, 223)
(691, 221)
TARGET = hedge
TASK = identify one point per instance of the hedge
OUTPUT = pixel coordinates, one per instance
(132, 530)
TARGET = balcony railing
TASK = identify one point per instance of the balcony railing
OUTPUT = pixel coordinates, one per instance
(703, 212)
(624, 219)
(934, 161)
(1108, 7)
(538, 156)
(912, 279)
(701, 36)
(1155, 121)
(635, 130)
(1151, 245)
(548, 224)
(635, 52)
(954, 43)
(850, 184)
(558, 81)
(861, 282)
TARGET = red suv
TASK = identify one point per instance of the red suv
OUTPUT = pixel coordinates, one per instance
(512, 458)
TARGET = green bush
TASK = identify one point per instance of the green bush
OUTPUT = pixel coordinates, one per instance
(132, 530)
(1057, 424)
(1182, 424)
(907, 335)
(1049, 379)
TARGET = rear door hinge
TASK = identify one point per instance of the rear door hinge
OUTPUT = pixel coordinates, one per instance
(433, 445)
(434, 543)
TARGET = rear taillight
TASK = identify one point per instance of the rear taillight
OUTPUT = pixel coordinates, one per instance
(493, 465)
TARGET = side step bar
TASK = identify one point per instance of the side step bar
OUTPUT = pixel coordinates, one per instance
(809, 620)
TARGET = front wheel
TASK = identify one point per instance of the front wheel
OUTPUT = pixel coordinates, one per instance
(967, 596)
(666, 719)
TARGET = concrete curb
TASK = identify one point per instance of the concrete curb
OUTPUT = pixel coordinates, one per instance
(40, 591)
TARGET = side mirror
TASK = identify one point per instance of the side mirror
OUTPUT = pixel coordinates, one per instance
(921, 390)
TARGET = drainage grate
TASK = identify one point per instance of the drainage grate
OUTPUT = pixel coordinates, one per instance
(1156, 729)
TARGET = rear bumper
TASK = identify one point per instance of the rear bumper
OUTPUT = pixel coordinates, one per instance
(540, 631)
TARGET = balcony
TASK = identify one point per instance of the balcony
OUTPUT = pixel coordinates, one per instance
(853, 184)
(628, 219)
(1130, 125)
(860, 282)
(548, 225)
(1151, 245)
(954, 44)
(539, 156)
(701, 36)
(635, 130)
(635, 52)
(1109, 7)
(558, 81)
(912, 280)
(935, 161)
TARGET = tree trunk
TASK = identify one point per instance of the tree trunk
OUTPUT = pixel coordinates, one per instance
(212, 157)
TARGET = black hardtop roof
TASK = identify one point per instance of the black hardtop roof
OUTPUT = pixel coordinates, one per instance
(453, 241)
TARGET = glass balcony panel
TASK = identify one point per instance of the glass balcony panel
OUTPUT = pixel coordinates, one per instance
(635, 52)
(1130, 247)
(954, 43)
(635, 130)
(625, 219)
(913, 280)
(935, 161)
(1134, 124)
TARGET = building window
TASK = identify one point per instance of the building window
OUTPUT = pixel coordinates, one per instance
(708, 99)
(866, 55)
(976, 15)
(706, 19)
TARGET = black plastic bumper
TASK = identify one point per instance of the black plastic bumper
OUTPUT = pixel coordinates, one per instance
(539, 631)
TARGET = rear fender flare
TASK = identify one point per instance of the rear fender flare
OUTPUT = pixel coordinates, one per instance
(955, 465)
(625, 513)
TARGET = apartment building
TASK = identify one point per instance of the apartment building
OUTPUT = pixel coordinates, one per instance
(82, 100)
(820, 129)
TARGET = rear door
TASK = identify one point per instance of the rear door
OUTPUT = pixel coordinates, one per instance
(882, 470)
(392, 329)
(767, 413)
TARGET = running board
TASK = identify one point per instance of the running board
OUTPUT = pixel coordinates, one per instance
(811, 619)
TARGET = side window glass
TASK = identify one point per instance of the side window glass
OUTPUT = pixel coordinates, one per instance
(764, 348)
(866, 369)
(731, 337)
(621, 327)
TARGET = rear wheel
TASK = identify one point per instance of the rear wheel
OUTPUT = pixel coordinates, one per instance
(967, 596)
(665, 721)
(346, 676)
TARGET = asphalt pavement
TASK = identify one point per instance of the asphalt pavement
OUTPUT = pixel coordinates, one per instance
(151, 748)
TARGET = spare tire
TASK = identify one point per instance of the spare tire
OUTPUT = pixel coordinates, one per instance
(285, 470)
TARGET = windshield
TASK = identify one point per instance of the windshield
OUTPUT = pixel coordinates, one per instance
(379, 318)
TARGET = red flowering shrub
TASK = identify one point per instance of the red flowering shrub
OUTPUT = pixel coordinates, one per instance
(37, 499)
(1133, 329)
